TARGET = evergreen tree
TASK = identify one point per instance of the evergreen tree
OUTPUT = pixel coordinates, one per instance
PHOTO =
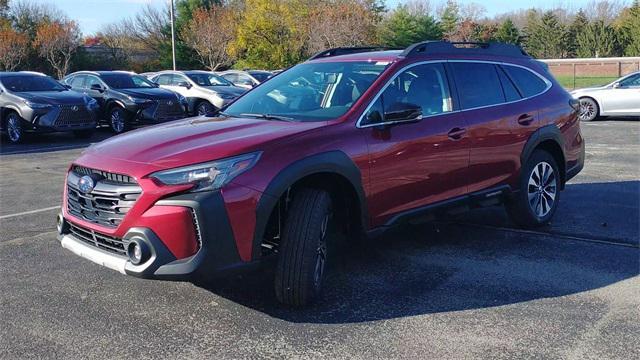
(508, 33)
(579, 23)
(450, 18)
(629, 29)
(546, 36)
(402, 28)
(597, 40)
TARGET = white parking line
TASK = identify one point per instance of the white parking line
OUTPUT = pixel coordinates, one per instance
(29, 212)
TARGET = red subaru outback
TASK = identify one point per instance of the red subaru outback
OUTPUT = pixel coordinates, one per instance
(353, 140)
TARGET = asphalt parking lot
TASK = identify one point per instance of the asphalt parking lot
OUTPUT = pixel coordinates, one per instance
(472, 286)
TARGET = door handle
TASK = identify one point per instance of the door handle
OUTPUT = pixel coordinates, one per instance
(525, 119)
(456, 133)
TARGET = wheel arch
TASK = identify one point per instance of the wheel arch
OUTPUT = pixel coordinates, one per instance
(549, 139)
(333, 171)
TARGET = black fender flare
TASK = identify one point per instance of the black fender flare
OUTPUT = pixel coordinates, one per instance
(545, 133)
(336, 162)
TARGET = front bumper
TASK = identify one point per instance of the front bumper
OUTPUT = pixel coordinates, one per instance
(60, 118)
(216, 255)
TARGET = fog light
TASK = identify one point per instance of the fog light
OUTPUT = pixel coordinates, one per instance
(61, 224)
(138, 251)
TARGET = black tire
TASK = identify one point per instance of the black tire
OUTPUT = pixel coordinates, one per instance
(14, 128)
(84, 134)
(205, 108)
(118, 120)
(303, 250)
(589, 109)
(534, 204)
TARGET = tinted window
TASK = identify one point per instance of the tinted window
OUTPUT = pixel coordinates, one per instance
(178, 79)
(203, 79)
(164, 79)
(510, 91)
(76, 81)
(261, 76)
(631, 81)
(422, 85)
(91, 80)
(527, 82)
(20, 83)
(126, 81)
(478, 84)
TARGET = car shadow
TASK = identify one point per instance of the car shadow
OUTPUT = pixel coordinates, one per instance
(443, 266)
(48, 142)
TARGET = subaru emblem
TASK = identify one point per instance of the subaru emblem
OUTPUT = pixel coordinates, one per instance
(86, 184)
(74, 108)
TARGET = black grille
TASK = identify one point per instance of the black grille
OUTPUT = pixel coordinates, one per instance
(168, 110)
(73, 115)
(107, 203)
(101, 241)
(112, 177)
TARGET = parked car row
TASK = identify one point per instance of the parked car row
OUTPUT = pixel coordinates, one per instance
(33, 102)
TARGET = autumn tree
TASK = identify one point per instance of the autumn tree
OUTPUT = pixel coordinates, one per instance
(405, 26)
(118, 42)
(57, 42)
(209, 33)
(13, 48)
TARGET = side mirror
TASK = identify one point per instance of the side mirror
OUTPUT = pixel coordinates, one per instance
(184, 84)
(403, 112)
(97, 87)
(616, 85)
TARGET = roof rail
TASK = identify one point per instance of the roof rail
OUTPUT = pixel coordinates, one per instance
(476, 48)
(348, 50)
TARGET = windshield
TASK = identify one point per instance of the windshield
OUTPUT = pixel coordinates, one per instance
(261, 76)
(209, 80)
(126, 81)
(310, 91)
(23, 83)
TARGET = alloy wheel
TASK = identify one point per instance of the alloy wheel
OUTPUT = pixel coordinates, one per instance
(14, 128)
(204, 109)
(321, 252)
(117, 121)
(588, 110)
(542, 189)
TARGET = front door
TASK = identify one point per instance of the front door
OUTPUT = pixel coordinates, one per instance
(415, 163)
(624, 99)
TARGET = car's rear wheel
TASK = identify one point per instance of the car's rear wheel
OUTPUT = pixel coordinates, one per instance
(204, 108)
(15, 130)
(118, 120)
(303, 251)
(537, 198)
(589, 109)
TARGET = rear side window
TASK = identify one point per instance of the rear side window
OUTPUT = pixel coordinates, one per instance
(527, 82)
(478, 84)
(510, 91)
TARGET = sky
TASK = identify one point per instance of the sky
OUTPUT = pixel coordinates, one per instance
(93, 14)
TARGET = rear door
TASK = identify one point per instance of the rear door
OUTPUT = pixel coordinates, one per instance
(414, 164)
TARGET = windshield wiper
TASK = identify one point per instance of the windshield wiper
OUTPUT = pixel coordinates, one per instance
(269, 117)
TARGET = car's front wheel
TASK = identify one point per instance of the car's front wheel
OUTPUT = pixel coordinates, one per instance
(537, 198)
(118, 120)
(589, 109)
(205, 108)
(15, 130)
(303, 251)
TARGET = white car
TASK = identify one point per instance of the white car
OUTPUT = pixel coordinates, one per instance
(205, 91)
(620, 98)
(246, 79)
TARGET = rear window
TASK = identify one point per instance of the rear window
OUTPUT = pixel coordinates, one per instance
(527, 82)
(478, 84)
(510, 91)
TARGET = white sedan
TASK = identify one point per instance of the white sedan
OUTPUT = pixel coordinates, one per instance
(620, 98)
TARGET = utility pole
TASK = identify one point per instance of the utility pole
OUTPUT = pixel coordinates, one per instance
(173, 37)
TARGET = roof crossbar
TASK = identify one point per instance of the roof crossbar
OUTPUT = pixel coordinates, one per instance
(474, 48)
(348, 50)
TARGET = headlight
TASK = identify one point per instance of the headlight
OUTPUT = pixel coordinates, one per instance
(138, 100)
(208, 176)
(91, 103)
(34, 105)
(182, 99)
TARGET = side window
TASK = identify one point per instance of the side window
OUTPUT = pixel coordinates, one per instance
(527, 82)
(77, 81)
(177, 79)
(244, 79)
(510, 91)
(164, 79)
(92, 80)
(631, 81)
(231, 77)
(478, 84)
(424, 86)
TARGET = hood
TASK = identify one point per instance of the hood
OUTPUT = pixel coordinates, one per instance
(67, 97)
(231, 90)
(195, 140)
(148, 93)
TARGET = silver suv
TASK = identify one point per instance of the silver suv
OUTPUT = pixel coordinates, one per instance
(205, 91)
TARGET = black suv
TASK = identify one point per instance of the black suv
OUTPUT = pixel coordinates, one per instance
(126, 98)
(34, 102)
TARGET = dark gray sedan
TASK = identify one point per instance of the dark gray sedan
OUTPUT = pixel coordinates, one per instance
(33, 102)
